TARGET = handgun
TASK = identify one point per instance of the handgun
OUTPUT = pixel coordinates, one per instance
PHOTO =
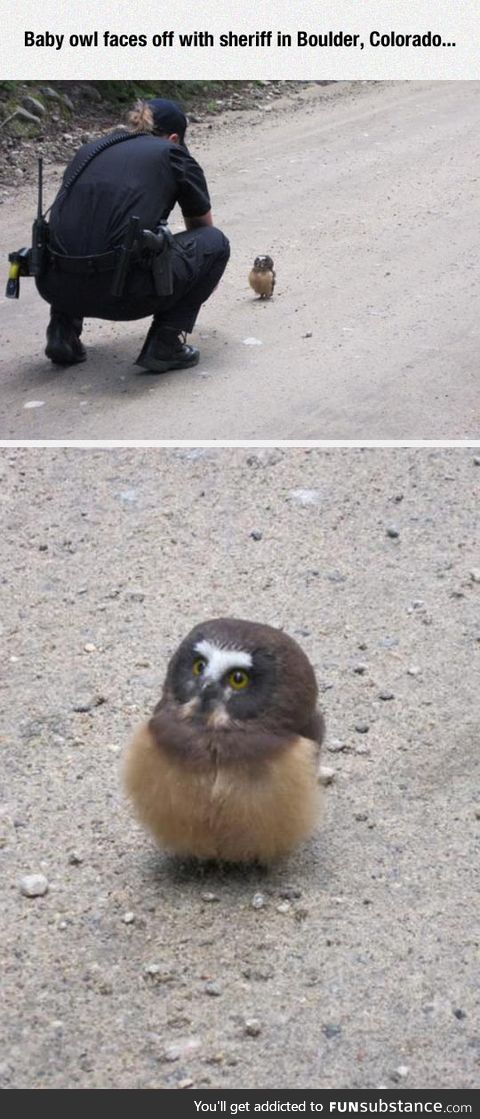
(159, 245)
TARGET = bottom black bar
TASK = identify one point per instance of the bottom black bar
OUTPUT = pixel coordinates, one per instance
(191, 1102)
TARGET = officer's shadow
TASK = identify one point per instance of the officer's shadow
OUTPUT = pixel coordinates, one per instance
(109, 370)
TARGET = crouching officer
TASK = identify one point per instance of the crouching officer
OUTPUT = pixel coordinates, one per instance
(110, 257)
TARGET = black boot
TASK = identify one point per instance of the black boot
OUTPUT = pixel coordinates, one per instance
(163, 349)
(63, 340)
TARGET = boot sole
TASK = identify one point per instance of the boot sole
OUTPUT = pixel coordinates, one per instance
(155, 366)
(58, 359)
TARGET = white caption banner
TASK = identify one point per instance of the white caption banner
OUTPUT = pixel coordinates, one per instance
(350, 39)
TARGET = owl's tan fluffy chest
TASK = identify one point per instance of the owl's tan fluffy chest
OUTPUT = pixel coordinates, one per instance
(263, 282)
(231, 812)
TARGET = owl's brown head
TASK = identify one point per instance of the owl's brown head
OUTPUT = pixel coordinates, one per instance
(263, 264)
(229, 673)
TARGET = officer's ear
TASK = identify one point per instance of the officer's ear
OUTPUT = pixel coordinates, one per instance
(174, 138)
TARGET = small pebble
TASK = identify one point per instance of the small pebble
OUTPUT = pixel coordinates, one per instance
(477, 460)
(34, 885)
(128, 918)
(183, 1047)
(360, 669)
(210, 897)
(256, 535)
(393, 532)
(386, 695)
(75, 858)
(258, 901)
(301, 914)
(475, 574)
(90, 647)
(305, 497)
(253, 1027)
(402, 1071)
(477, 813)
(365, 750)
(87, 702)
(362, 727)
(336, 746)
(213, 988)
(459, 1013)
(336, 577)
(283, 907)
(414, 670)
(332, 1030)
(326, 775)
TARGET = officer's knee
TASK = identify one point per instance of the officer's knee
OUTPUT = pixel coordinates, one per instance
(224, 247)
(215, 242)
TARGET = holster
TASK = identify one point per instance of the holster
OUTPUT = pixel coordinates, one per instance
(154, 249)
(159, 246)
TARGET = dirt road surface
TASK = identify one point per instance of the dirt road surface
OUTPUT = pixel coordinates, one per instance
(360, 968)
(366, 197)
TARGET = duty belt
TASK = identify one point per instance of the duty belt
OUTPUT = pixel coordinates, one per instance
(141, 246)
(83, 265)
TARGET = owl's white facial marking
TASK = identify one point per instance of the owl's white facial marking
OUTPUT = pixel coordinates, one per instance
(219, 661)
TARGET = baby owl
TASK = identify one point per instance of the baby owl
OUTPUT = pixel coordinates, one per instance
(226, 768)
(262, 276)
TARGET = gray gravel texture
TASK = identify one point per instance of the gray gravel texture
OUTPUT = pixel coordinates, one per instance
(359, 967)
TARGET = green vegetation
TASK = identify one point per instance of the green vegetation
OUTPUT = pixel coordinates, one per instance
(188, 93)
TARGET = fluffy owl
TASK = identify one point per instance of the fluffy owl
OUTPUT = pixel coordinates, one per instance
(262, 276)
(226, 768)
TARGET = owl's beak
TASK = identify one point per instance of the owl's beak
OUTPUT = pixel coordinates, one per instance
(209, 696)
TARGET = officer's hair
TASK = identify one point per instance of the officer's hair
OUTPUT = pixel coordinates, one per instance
(140, 118)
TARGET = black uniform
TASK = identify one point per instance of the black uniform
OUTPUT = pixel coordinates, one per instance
(144, 175)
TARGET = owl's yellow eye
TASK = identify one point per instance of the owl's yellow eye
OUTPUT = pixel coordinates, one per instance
(238, 679)
(199, 666)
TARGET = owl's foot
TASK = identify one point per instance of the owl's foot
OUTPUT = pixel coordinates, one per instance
(164, 350)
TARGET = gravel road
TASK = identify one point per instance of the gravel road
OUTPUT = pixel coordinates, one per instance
(366, 196)
(358, 965)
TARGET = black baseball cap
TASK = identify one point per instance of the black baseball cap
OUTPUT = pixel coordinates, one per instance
(168, 117)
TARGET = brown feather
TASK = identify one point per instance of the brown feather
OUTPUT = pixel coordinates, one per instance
(262, 282)
(234, 813)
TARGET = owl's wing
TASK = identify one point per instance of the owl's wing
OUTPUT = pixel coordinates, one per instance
(314, 728)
